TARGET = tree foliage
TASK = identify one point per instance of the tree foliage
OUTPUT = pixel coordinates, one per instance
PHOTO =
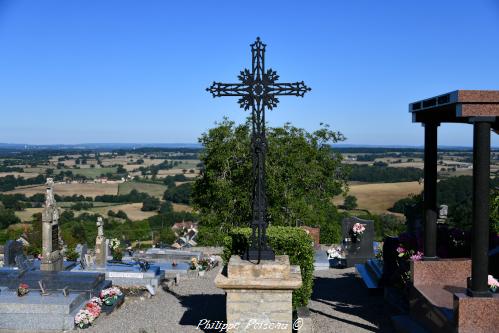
(303, 173)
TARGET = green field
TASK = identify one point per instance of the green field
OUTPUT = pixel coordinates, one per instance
(155, 190)
(187, 164)
(92, 173)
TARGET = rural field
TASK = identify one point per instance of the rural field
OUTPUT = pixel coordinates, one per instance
(132, 210)
(155, 190)
(86, 189)
(379, 197)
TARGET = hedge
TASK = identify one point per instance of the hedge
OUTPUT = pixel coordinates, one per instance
(294, 242)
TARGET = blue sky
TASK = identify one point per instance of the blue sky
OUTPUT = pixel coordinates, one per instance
(136, 71)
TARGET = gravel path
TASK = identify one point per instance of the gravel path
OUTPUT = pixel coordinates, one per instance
(339, 303)
(178, 309)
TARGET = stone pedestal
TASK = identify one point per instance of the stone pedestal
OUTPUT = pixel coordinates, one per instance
(259, 296)
(100, 251)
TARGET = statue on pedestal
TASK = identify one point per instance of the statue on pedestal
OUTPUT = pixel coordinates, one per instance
(52, 259)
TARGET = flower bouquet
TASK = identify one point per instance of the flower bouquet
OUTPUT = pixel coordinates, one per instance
(337, 257)
(84, 318)
(357, 231)
(110, 295)
(493, 284)
(22, 290)
(194, 263)
(114, 244)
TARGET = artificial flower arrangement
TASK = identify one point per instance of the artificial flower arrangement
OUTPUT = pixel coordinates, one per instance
(203, 264)
(22, 290)
(110, 295)
(337, 257)
(114, 244)
(493, 284)
(409, 254)
(336, 253)
(194, 263)
(86, 316)
(357, 231)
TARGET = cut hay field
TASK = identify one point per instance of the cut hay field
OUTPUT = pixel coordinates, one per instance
(132, 210)
(27, 214)
(155, 190)
(87, 190)
(379, 197)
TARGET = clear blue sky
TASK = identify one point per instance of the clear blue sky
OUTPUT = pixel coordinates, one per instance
(136, 71)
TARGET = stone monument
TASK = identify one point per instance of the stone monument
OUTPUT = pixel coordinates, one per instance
(259, 296)
(12, 249)
(359, 250)
(100, 245)
(52, 259)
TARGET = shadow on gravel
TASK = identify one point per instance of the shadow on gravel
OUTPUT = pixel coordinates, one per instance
(346, 293)
(202, 306)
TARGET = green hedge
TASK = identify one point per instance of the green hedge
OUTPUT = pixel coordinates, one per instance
(294, 242)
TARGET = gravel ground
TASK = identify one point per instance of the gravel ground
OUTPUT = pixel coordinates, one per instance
(178, 309)
(339, 304)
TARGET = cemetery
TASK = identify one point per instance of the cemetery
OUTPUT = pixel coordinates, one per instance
(256, 241)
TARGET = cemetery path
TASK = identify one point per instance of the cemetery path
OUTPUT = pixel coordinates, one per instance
(340, 304)
(176, 310)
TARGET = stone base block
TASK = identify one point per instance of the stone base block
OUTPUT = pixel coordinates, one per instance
(476, 314)
(259, 297)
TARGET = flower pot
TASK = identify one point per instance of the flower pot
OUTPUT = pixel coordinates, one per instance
(110, 300)
(83, 326)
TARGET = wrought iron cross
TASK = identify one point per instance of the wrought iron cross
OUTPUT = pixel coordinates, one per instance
(258, 90)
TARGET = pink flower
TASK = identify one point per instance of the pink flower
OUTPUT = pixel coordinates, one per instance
(418, 256)
(493, 282)
(400, 249)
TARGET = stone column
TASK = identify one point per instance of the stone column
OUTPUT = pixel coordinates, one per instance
(480, 227)
(430, 191)
(259, 297)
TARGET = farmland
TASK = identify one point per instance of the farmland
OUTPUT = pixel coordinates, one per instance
(155, 190)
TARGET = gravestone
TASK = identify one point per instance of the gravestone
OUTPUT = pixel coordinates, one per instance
(100, 245)
(52, 259)
(81, 249)
(361, 250)
(12, 249)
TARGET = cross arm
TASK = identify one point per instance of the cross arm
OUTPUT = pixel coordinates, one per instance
(288, 89)
(219, 89)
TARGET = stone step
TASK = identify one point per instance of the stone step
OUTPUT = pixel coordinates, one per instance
(405, 324)
(37, 322)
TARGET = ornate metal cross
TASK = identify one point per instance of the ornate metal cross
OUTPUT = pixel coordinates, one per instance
(258, 90)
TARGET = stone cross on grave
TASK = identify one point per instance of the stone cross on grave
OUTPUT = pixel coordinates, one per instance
(258, 91)
(52, 259)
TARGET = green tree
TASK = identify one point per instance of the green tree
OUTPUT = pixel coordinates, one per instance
(7, 217)
(179, 194)
(350, 202)
(302, 172)
(150, 204)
